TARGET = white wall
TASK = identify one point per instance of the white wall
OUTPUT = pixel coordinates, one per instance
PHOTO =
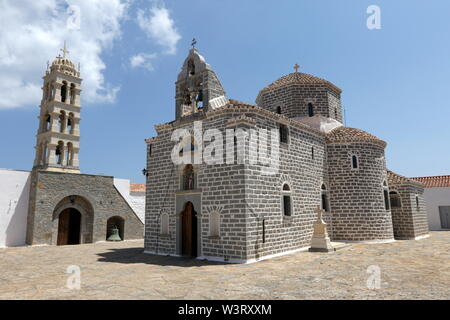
(434, 198)
(14, 191)
(137, 203)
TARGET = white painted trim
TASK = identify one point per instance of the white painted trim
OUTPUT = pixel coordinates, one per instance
(422, 237)
(249, 261)
(368, 241)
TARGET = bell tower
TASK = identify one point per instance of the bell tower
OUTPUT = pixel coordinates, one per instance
(198, 88)
(58, 135)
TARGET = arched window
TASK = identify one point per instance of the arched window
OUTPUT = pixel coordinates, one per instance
(62, 121)
(310, 110)
(191, 67)
(324, 197)
(64, 92)
(164, 224)
(72, 93)
(386, 196)
(394, 197)
(284, 133)
(355, 162)
(59, 153)
(278, 110)
(69, 154)
(214, 224)
(70, 123)
(190, 146)
(52, 91)
(48, 122)
(286, 200)
(188, 177)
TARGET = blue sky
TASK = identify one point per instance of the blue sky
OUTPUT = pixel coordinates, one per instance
(395, 80)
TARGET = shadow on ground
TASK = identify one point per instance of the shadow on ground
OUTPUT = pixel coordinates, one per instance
(137, 255)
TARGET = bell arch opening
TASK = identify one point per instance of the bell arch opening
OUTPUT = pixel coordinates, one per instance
(115, 229)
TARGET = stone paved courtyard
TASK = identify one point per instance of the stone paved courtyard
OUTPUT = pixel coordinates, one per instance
(409, 270)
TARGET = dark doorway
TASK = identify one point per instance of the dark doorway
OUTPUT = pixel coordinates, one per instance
(189, 231)
(69, 227)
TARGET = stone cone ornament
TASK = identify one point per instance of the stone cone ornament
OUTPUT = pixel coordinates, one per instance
(320, 241)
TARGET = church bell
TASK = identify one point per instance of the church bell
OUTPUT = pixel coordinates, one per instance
(114, 234)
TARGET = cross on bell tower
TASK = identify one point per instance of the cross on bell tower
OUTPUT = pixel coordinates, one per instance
(64, 50)
(296, 67)
(58, 135)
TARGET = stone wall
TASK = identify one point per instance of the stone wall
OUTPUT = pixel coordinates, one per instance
(294, 100)
(409, 221)
(356, 195)
(49, 189)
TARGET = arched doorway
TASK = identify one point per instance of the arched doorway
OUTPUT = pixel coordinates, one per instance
(189, 231)
(69, 227)
(118, 222)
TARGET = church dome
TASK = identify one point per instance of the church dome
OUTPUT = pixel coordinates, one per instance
(299, 78)
(352, 135)
(64, 65)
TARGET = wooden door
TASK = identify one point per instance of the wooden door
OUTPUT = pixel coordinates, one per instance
(63, 228)
(187, 230)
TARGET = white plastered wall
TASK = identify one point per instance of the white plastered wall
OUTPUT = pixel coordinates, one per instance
(434, 198)
(14, 194)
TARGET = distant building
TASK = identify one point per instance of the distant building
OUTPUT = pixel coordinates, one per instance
(437, 197)
(55, 204)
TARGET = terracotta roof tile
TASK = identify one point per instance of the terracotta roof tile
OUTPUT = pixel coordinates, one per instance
(434, 182)
(137, 187)
(298, 78)
(396, 179)
(347, 134)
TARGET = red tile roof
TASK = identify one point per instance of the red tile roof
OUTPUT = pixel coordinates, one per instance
(434, 182)
(396, 179)
(135, 187)
(298, 78)
(347, 134)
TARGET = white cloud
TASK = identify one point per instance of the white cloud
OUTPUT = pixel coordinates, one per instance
(32, 33)
(159, 27)
(143, 60)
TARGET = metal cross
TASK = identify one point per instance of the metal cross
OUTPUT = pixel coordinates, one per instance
(65, 51)
(193, 43)
(296, 67)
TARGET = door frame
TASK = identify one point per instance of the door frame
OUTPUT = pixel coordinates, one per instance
(181, 198)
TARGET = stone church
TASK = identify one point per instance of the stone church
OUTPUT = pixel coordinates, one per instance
(234, 212)
(65, 206)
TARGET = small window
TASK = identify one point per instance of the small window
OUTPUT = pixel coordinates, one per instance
(312, 153)
(279, 110)
(324, 198)
(214, 224)
(284, 134)
(387, 204)
(286, 200)
(417, 203)
(164, 224)
(59, 152)
(355, 162)
(310, 110)
(395, 199)
(287, 205)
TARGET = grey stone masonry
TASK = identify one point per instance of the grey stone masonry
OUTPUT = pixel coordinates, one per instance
(94, 196)
(410, 218)
(356, 194)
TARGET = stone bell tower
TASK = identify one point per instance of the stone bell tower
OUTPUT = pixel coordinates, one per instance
(58, 135)
(198, 88)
